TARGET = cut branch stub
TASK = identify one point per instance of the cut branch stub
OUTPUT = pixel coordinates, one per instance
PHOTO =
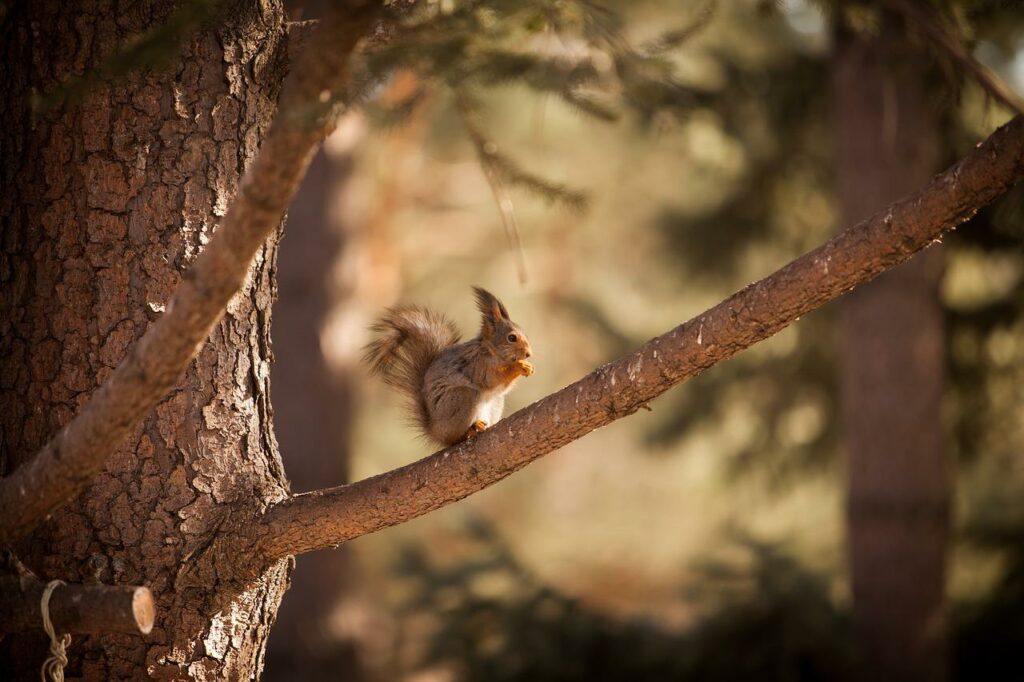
(76, 609)
(326, 518)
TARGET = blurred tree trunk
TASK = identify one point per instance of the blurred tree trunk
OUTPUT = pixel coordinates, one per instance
(105, 204)
(891, 366)
(337, 269)
(315, 403)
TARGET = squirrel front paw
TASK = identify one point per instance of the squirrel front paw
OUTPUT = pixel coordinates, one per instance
(524, 367)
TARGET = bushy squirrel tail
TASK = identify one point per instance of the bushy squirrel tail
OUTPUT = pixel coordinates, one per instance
(409, 339)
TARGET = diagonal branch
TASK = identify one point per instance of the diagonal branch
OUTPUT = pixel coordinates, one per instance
(326, 518)
(66, 464)
(958, 52)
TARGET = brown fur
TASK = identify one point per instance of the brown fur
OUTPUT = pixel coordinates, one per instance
(454, 389)
(410, 339)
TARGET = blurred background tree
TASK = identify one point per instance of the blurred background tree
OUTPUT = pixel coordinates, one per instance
(888, 115)
(611, 171)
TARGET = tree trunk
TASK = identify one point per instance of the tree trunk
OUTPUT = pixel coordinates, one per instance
(105, 204)
(892, 368)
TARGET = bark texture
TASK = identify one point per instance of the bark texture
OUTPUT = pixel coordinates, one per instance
(105, 206)
(326, 518)
(892, 367)
(311, 98)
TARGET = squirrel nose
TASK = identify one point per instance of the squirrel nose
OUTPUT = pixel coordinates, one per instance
(528, 353)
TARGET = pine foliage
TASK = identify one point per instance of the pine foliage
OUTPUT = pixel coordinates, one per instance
(572, 51)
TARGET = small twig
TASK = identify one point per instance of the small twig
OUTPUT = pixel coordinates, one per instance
(956, 49)
(485, 150)
(675, 38)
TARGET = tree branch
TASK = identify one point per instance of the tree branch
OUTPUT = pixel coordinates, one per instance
(76, 609)
(958, 52)
(326, 518)
(67, 463)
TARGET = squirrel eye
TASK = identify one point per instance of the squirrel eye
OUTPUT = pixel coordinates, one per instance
(512, 338)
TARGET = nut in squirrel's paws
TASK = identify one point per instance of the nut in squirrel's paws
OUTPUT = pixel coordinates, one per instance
(524, 367)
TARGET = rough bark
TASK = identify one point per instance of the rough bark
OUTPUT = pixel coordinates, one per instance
(891, 368)
(326, 518)
(106, 207)
(68, 460)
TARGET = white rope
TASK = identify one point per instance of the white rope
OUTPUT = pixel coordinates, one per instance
(53, 666)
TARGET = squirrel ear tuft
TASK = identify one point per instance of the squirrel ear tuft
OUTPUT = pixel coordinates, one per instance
(489, 305)
(491, 309)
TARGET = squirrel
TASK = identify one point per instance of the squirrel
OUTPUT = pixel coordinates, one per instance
(455, 390)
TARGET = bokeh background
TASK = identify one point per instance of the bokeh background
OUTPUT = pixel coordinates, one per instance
(705, 539)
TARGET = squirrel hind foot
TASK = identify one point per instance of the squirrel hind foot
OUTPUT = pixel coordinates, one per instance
(475, 428)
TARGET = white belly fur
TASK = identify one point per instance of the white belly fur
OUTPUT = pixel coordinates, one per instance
(491, 406)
